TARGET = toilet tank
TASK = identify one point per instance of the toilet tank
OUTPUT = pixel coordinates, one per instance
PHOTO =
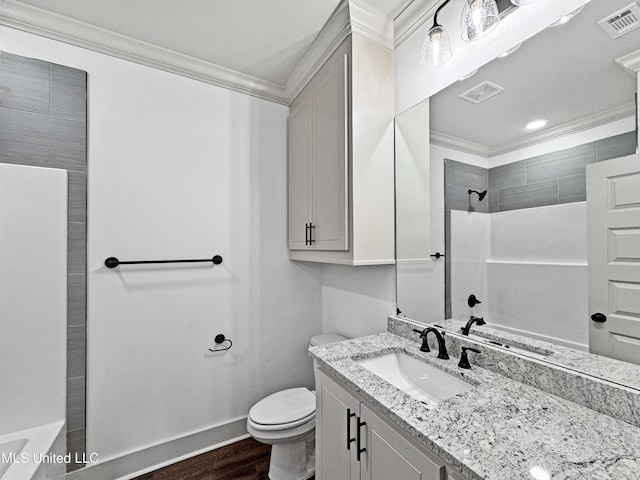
(326, 338)
(322, 340)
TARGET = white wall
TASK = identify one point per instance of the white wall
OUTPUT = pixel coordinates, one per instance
(357, 300)
(529, 268)
(33, 296)
(471, 238)
(537, 273)
(182, 169)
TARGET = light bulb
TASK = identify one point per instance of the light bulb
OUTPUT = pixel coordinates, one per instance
(479, 17)
(436, 48)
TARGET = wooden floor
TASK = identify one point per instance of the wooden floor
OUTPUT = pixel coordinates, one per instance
(244, 460)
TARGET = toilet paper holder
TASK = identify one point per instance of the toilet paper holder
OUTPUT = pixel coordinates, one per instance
(220, 339)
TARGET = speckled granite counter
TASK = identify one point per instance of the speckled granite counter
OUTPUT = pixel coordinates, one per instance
(610, 369)
(499, 430)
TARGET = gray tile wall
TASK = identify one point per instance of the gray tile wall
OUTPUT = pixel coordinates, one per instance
(43, 123)
(550, 179)
(553, 178)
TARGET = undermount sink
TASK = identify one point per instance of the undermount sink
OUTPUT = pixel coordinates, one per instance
(417, 379)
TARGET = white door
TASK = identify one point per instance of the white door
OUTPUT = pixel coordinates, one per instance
(613, 224)
(389, 456)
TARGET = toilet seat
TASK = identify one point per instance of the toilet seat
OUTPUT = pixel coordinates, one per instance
(282, 410)
(281, 426)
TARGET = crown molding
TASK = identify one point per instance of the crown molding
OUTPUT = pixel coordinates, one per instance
(459, 144)
(371, 24)
(41, 22)
(350, 16)
(631, 63)
(621, 112)
(412, 18)
(333, 33)
(585, 123)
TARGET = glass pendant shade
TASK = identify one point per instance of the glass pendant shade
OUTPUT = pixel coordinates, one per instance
(436, 48)
(479, 17)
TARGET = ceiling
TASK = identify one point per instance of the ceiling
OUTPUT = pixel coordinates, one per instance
(562, 74)
(265, 39)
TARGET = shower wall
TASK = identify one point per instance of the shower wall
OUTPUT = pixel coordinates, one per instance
(33, 251)
(527, 242)
(43, 123)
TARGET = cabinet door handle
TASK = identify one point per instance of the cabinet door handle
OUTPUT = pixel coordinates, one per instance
(312, 229)
(306, 234)
(359, 448)
(349, 439)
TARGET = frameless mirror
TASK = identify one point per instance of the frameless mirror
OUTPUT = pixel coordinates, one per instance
(515, 210)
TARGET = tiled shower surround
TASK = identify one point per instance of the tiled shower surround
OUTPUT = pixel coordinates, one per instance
(551, 179)
(43, 123)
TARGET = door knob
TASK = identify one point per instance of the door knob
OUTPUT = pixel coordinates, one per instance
(599, 317)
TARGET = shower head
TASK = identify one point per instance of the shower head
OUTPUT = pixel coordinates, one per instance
(481, 195)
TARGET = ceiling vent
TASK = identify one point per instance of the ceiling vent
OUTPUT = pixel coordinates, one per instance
(622, 22)
(482, 92)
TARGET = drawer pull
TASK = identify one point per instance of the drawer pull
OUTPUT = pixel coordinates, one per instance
(349, 439)
(359, 448)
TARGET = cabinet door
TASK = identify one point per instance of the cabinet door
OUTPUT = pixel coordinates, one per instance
(336, 414)
(330, 155)
(300, 170)
(389, 455)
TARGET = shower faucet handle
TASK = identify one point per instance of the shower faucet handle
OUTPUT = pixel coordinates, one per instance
(472, 301)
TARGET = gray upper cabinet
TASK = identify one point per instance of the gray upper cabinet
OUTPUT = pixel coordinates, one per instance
(341, 199)
(317, 160)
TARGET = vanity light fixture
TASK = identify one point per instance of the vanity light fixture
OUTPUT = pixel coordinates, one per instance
(436, 48)
(565, 18)
(537, 124)
(479, 17)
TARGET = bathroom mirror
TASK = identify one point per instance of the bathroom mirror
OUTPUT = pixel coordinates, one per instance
(521, 247)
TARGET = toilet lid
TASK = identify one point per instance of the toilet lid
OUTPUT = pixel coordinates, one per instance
(283, 407)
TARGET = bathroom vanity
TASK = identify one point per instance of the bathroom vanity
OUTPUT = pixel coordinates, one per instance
(498, 428)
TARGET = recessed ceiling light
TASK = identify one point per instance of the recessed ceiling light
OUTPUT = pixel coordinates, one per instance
(565, 18)
(506, 53)
(468, 75)
(537, 124)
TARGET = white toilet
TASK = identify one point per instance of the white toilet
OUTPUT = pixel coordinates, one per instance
(287, 420)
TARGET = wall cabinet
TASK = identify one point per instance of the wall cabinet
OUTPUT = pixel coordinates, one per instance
(355, 443)
(318, 160)
(341, 167)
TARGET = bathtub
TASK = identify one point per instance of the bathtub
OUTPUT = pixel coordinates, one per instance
(22, 452)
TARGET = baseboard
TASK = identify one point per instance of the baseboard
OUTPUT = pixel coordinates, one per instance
(134, 464)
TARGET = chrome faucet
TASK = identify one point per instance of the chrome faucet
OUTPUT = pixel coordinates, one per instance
(472, 320)
(442, 347)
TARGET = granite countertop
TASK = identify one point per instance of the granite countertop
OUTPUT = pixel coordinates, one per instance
(499, 430)
(610, 369)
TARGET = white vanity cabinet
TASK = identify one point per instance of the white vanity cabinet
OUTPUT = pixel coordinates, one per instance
(341, 159)
(344, 424)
